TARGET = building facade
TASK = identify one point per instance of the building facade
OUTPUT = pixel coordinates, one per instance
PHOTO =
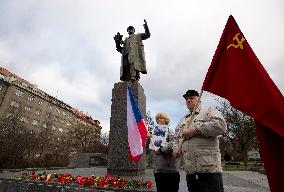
(37, 110)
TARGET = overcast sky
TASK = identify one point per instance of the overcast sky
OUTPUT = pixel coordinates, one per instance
(66, 47)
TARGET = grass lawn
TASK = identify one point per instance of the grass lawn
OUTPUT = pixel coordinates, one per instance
(239, 166)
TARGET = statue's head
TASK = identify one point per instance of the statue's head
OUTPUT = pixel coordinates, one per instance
(130, 30)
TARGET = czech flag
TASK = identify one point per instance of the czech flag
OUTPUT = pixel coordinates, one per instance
(137, 131)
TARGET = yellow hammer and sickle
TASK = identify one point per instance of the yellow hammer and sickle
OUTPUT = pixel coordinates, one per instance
(239, 42)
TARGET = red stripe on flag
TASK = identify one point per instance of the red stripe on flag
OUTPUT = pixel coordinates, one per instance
(135, 159)
(143, 131)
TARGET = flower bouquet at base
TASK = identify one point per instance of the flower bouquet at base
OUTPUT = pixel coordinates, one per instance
(98, 182)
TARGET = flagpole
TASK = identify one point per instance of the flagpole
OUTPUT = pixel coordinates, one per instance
(188, 123)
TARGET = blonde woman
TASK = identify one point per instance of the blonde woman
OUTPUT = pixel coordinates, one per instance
(165, 171)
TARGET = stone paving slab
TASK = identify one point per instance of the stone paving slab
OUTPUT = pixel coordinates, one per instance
(244, 182)
(234, 181)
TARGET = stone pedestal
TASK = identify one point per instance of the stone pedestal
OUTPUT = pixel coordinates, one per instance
(118, 159)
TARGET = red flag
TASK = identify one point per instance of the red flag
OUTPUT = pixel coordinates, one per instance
(237, 75)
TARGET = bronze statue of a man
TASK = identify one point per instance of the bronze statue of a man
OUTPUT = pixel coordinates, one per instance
(133, 57)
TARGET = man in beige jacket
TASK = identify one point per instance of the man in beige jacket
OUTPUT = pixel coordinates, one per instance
(198, 146)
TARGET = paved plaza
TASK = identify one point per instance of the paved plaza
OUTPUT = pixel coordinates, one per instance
(234, 181)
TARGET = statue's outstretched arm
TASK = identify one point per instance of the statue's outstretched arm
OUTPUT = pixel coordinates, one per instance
(147, 33)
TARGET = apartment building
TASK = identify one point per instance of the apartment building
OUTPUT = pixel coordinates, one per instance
(38, 110)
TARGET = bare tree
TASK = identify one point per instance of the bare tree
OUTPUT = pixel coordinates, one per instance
(83, 138)
(23, 147)
(18, 144)
(105, 138)
(241, 135)
(149, 121)
(45, 138)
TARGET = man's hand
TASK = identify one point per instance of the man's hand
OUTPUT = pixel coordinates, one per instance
(188, 133)
(149, 135)
(145, 22)
(176, 152)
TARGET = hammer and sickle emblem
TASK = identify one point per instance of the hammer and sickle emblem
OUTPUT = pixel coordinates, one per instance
(239, 42)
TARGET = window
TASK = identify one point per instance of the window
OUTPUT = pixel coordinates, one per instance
(38, 112)
(48, 115)
(28, 108)
(31, 98)
(35, 122)
(40, 102)
(19, 93)
(10, 115)
(69, 116)
(53, 127)
(15, 104)
(23, 119)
